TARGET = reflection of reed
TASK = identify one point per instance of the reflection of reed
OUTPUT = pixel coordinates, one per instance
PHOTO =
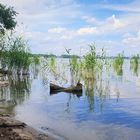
(96, 87)
(118, 64)
(89, 82)
(89, 86)
(68, 103)
(19, 88)
(99, 89)
(75, 77)
(16, 93)
(35, 70)
(134, 64)
(134, 68)
(118, 69)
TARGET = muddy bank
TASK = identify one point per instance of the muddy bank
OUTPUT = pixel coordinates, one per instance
(11, 129)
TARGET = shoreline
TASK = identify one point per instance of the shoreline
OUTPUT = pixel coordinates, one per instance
(12, 129)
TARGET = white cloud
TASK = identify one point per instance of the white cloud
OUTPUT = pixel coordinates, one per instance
(57, 30)
(127, 35)
(116, 23)
(55, 24)
(89, 19)
(66, 37)
(112, 25)
(106, 26)
(129, 7)
(87, 31)
(35, 13)
(132, 40)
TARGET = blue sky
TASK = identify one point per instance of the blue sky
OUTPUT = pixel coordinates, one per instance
(50, 26)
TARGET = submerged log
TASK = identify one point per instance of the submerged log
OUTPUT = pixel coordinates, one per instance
(54, 88)
(72, 89)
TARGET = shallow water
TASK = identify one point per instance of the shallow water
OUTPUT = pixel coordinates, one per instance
(109, 111)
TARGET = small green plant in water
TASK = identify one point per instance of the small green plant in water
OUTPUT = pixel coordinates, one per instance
(93, 63)
(118, 64)
(53, 62)
(36, 60)
(50, 65)
(134, 64)
(90, 59)
(74, 65)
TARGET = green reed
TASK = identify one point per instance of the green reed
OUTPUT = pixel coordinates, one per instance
(118, 64)
(134, 64)
(19, 56)
(14, 54)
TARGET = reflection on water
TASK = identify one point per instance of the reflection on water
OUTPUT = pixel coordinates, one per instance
(16, 93)
(109, 108)
(134, 67)
(19, 88)
(118, 69)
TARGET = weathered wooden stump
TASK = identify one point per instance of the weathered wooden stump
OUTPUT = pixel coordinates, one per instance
(72, 89)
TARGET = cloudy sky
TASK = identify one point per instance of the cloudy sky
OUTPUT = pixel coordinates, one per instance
(50, 26)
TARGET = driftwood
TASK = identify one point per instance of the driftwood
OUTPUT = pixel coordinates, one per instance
(73, 89)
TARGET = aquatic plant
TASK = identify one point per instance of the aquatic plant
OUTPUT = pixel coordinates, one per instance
(14, 54)
(53, 62)
(50, 64)
(36, 60)
(19, 56)
(90, 59)
(134, 64)
(93, 63)
(118, 64)
(74, 70)
(74, 65)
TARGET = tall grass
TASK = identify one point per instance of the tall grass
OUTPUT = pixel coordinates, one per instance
(14, 54)
(36, 60)
(90, 59)
(74, 70)
(92, 63)
(19, 57)
(74, 64)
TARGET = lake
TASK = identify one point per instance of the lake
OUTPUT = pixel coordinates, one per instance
(107, 109)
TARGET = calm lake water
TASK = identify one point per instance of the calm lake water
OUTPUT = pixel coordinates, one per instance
(109, 110)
